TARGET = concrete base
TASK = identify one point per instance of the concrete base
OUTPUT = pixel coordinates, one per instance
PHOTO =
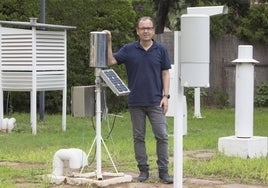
(253, 147)
(90, 179)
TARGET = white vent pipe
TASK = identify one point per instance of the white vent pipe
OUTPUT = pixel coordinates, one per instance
(11, 124)
(244, 92)
(8, 124)
(4, 124)
(76, 158)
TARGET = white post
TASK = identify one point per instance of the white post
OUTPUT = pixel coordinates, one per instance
(244, 92)
(197, 113)
(1, 91)
(64, 91)
(34, 86)
(178, 120)
(98, 122)
(243, 143)
(178, 142)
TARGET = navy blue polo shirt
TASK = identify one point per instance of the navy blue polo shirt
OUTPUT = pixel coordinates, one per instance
(144, 71)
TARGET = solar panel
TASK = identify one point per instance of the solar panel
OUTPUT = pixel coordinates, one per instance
(114, 82)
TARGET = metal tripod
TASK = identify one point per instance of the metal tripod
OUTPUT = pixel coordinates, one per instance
(113, 178)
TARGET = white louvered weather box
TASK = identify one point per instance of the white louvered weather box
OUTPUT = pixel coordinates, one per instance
(33, 59)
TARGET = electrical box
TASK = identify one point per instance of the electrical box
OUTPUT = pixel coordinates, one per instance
(195, 50)
(195, 44)
(83, 101)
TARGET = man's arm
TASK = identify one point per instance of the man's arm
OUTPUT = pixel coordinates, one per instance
(166, 81)
(111, 59)
(166, 85)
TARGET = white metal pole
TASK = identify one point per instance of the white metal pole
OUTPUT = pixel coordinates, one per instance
(34, 87)
(244, 100)
(98, 122)
(64, 91)
(178, 119)
(1, 90)
(197, 113)
(178, 142)
(244, 92)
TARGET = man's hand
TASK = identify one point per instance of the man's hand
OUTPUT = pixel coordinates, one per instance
(111, 59)
(164, 104)
(109, 34)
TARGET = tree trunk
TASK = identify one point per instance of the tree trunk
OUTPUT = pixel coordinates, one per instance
(161, 17)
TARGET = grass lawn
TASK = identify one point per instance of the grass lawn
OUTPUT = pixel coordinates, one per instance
(36, 152)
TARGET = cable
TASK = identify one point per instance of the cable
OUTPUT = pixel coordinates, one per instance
(94, 156)
(92, 120)
(113, 124)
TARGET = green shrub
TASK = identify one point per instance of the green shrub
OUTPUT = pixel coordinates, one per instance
(189, 93)
(216, 97)
(254, 26)
(261, 97)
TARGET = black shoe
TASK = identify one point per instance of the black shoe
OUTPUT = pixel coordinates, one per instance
(166, 178)
(144, 172)
(143, 176)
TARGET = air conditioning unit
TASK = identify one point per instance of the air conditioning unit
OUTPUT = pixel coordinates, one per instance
(83, 101)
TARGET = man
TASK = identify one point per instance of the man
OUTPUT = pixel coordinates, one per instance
(147, 64)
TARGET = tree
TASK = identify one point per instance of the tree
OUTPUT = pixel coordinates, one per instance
(254, 26)
(95, 15)
(87, 15)
(161, 15)
(19, 9)
(169, 12)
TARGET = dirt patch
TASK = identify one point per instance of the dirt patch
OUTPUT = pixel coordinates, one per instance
(153, 181)
(199, 154)
(19, 165)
